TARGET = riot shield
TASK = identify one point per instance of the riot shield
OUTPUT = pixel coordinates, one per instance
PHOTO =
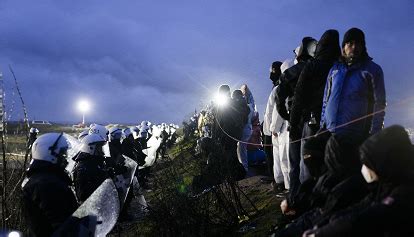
(72, 151)
(123, 181)
(96, 216)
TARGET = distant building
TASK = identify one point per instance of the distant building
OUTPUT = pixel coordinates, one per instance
(42, 122)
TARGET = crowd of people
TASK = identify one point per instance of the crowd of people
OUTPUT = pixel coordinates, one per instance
(340, 172)
(53, 190)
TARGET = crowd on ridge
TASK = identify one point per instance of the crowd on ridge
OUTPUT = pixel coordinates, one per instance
(328, 155)
(339, 172)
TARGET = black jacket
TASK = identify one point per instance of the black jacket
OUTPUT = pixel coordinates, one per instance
(139, 154)
(89, 173)
(311, 83)
(387, 210)
(286, 89)
(231, 119)
(47, 198)
(289, 78)
(132, 148)
(340, 163)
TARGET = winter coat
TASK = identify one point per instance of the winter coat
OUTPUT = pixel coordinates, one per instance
(47, 198)
(286, 89)
(346, 193)
(88, 174)
(340, 162)
(232, 119)
(352, 93)
(387, 209)
(289, 78)
(311, 83)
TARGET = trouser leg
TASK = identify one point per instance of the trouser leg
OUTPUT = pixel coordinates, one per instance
(277, 171)
(269, 154)
(284, 156)
(294, 160)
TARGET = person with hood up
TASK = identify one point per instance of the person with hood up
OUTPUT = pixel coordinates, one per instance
(387, 164)
(307, 104)
(267, 135)
(276, 126)
(285, 92)
(339, 185)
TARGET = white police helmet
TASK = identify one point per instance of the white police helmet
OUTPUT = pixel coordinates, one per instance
(92, 144)
(99, 129)
(126, 133)
(83, 134)
(135, 131)
(34, 130)
(115, 133)
(51, 147)
(145, 123)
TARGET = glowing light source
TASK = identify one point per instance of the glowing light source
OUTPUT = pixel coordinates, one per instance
(83, 106)
(221, 99)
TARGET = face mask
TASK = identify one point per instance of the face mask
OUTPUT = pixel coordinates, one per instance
(369, 175)
(312, 48)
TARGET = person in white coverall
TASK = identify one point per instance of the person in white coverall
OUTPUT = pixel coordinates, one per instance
(276, 126)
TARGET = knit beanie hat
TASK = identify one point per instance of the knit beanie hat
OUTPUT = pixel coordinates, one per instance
(354, 34)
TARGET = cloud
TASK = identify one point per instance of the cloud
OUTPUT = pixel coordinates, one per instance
(158, 61)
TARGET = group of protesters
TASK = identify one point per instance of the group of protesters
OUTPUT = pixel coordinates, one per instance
(52, 190)
(343, 175)
(340, 173)
(327, 152)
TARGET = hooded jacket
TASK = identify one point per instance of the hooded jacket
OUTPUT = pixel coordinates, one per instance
(47, 198)
(387, 209)
(290, 77)
(354, 99)
(311, 83)
(340, 162)
(342, 185)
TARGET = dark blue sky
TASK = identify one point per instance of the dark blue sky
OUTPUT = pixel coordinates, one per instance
(158, 60)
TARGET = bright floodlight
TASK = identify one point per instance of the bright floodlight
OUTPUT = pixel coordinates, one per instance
(221, 99)
(83, 106)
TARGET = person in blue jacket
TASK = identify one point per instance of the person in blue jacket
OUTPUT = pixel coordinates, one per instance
(354, 99)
